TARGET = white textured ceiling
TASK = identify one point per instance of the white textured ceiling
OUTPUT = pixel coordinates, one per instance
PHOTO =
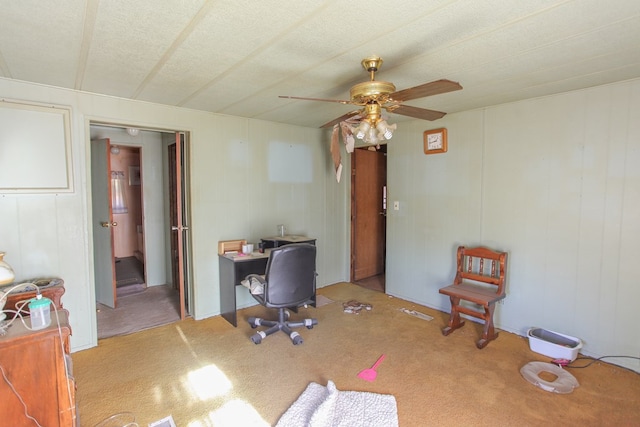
(236, 56)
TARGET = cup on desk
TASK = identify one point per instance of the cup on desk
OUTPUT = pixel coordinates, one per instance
(247, 249)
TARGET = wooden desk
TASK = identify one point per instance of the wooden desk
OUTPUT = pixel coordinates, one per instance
(38, 365)
(233, 269)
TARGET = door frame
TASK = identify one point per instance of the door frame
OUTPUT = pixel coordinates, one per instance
(354, 218)
(179, 217)
(187, 262)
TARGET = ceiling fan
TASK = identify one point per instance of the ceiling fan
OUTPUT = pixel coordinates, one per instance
(373, 97)
(376, 95)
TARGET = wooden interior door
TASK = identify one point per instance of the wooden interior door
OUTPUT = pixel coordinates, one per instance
(179, 228)
(368, 213)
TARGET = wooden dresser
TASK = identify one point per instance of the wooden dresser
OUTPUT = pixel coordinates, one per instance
(54, 293)
(38, 365)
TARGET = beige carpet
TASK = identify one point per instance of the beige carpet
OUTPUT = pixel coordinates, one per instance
(207, 373)
(154, 306)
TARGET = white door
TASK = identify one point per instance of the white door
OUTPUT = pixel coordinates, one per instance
(102, 224)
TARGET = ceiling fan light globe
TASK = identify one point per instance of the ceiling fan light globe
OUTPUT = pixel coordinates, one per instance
(371, 137)
(387, 135)
(389, 132)
(385, 130)
(362, 130)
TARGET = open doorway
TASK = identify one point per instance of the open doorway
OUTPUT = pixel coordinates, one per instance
(133, 229)
(128, 236)
(368, 217)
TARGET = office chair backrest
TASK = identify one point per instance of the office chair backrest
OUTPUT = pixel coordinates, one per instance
(291, 274)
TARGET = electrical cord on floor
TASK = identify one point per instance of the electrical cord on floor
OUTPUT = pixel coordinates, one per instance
(107, 420)
(594, 360)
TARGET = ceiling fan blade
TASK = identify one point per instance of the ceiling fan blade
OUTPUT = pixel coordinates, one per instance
(418, 113)
(428, 89)
(316, 99)
(342, 118)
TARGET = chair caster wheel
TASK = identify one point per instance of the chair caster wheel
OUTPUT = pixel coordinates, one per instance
(257, 339)
(310, 327)
(253, 322)
(297, 340)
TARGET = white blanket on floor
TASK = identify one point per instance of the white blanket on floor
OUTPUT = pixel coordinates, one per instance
(320, 406)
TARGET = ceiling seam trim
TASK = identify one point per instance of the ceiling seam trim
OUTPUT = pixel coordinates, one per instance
(463, 40)
(554, 43)
(256, 52)
(204, 10)
(338, 54)
(91, 12)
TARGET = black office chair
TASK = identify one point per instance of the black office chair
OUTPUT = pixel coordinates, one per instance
(289, 282)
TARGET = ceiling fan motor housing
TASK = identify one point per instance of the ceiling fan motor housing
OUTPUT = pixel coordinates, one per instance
(371, 63)
(375, 90)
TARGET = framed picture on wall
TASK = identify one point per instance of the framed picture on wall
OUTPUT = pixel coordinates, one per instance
(134, 175)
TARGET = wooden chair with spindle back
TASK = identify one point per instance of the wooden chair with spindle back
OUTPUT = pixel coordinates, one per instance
(480, 284)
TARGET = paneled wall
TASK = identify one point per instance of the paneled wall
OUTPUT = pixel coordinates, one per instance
(246, 177)
(555, 182)
(552, 180)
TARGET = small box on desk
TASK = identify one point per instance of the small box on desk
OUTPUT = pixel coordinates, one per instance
(225, 246)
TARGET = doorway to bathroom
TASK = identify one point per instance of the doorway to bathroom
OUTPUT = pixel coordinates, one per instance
(138, 184)
(127, 206)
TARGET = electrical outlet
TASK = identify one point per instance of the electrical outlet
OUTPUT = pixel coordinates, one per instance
(396, 205)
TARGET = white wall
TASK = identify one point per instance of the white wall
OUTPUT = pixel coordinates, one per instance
(555, 182)
(235, 193)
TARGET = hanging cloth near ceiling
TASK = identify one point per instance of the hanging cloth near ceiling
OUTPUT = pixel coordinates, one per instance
(335, 152)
